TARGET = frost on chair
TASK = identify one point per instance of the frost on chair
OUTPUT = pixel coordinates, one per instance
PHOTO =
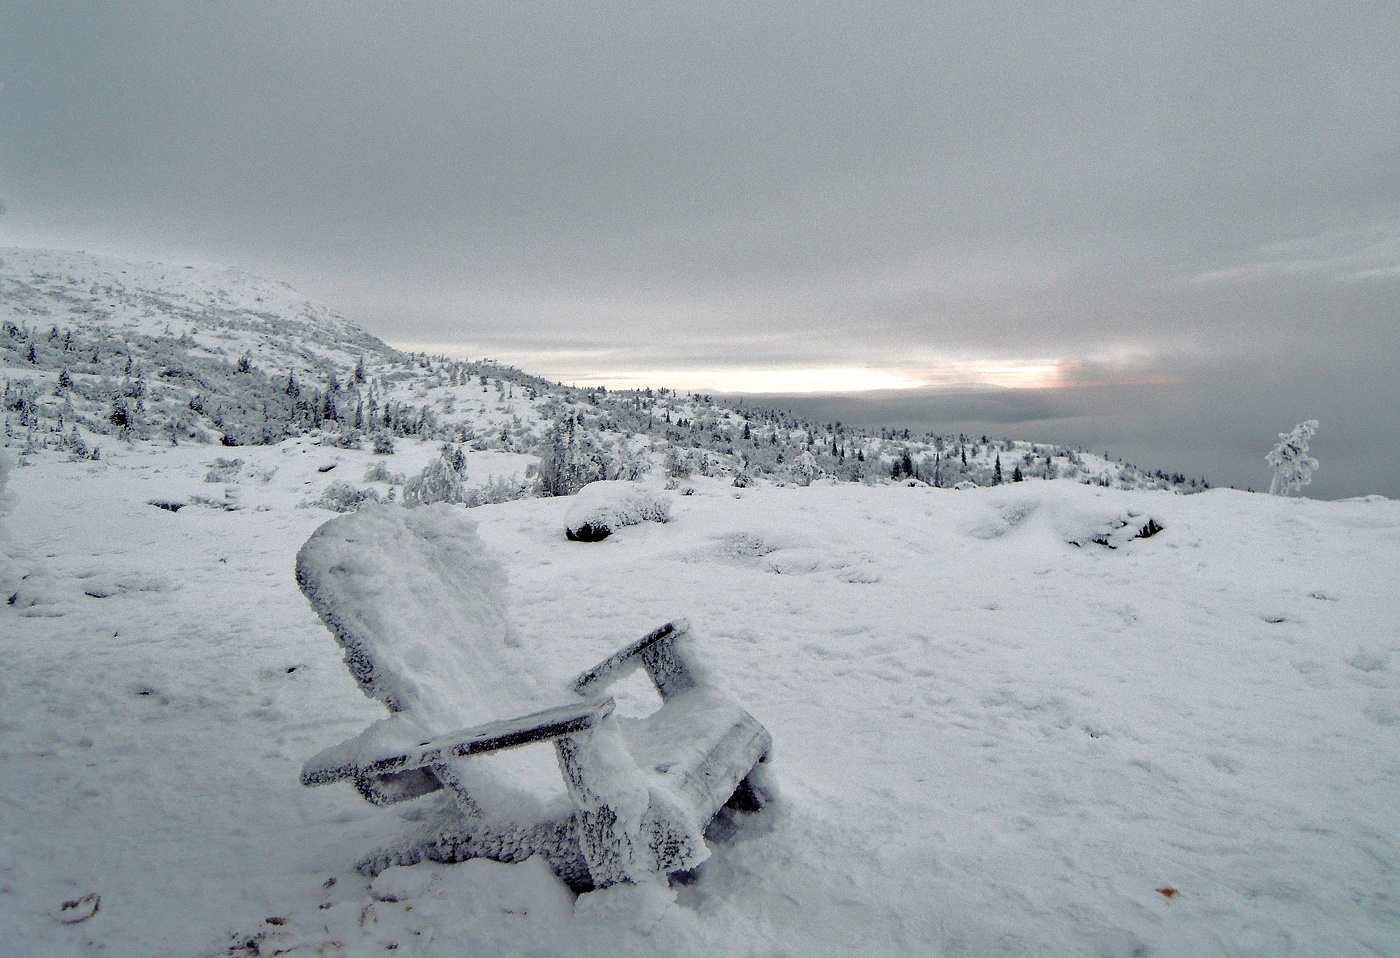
(419, 611)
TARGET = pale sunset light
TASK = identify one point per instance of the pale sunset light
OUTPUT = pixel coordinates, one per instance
(587, 370)
(1028, 375)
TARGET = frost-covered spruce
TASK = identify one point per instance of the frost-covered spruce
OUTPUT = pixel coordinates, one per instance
(1293, 467)
(605, 507)
(440, 480)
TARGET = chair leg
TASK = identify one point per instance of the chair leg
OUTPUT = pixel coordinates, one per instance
(456, 837)
(626, 830)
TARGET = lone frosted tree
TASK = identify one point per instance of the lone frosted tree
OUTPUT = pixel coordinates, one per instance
(1293, 467)
(440, 481)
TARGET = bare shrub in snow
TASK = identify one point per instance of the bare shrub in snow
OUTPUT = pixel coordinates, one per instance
(223, 470)
(501, 490)
(1293, 467)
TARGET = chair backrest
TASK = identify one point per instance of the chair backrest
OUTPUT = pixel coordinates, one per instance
(420, 611)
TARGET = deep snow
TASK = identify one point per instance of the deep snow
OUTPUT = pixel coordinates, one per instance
(988, 741)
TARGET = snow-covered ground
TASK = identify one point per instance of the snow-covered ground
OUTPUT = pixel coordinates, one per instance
(989, 741)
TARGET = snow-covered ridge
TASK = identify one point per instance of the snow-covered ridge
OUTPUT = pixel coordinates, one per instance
(96, 351)
(219, 312)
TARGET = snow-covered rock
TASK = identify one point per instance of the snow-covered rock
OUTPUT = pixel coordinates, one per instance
(601, 508)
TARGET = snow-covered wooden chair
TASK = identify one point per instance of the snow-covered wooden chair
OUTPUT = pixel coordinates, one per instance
(419, 610)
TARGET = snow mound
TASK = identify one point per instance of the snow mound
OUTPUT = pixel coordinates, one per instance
(605, 507)
(1117, 530)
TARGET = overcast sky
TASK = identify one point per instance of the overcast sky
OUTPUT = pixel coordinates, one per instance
(1170, 229)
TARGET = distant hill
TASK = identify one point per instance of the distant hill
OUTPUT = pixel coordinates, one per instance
(96, 350)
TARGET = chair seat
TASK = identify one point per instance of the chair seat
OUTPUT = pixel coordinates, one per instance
(697, 745)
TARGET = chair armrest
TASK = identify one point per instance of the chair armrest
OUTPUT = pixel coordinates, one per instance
(347, 761)
(656, 652)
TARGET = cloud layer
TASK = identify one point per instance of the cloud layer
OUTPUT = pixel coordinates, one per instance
(1200, 201)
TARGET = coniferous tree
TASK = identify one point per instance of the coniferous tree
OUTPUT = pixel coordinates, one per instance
(1293, 467)
(440, 481)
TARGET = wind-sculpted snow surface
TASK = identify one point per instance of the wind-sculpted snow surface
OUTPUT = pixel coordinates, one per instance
(987, 744)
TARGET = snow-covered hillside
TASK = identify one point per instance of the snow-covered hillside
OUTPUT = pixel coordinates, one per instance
(96, 351)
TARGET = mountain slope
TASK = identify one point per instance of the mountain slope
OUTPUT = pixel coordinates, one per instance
(95, 350)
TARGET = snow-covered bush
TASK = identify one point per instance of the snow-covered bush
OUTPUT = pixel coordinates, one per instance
(1120, 530)
(500, 490)
(605, 507)
(223, 470)
(440, 480)
(676, 465)
(343, 497)
(1293, 467)
(378, 471)
(342, 439)
(572, 459)
(382, 444)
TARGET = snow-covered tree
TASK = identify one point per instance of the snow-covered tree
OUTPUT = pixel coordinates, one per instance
(1293, 467)
(571, 461)
(440, 480)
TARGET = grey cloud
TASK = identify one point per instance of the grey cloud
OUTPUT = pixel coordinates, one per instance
(784, 184)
